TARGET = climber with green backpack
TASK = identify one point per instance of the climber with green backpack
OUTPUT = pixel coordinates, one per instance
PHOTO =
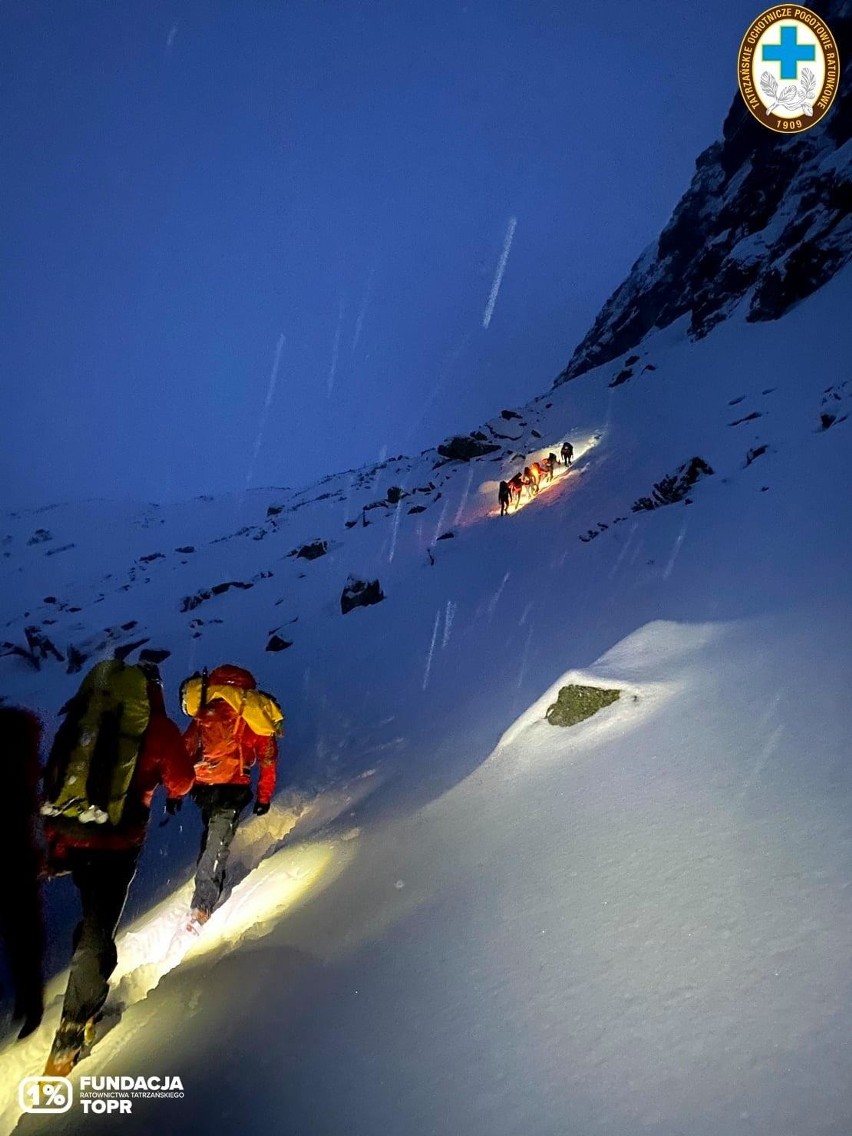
(113, 748)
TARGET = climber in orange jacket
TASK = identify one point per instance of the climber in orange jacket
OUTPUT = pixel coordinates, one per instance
(224, 748)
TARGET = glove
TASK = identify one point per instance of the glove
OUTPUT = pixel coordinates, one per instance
(174, 805)
(261, 808)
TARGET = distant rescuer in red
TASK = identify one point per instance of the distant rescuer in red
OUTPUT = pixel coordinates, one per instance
(234, 727)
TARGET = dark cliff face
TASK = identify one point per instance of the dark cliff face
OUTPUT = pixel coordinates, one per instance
(766, 221)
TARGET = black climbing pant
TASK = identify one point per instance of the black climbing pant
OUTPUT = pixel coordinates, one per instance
(220, 806)
(103, 880)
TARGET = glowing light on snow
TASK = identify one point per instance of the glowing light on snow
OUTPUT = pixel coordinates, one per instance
(501, 268)
(270, 880)
(562, 477)
(260, 901)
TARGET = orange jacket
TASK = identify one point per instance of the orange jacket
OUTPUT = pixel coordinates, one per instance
(224, 748)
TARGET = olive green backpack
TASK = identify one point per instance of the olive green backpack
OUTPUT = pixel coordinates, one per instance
(94, 754)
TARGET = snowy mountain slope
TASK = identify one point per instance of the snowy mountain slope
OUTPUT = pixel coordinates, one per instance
(636, 922)
(765, 222)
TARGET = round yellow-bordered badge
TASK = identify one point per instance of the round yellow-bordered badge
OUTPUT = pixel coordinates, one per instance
(789, 68)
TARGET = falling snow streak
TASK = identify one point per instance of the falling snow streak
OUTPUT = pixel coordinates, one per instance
(170, 39)
(270, 395)
(525, 658)
(501, 268)
(633, 530)
(675, 551)
(365, 303)
(432, 648)
(397, 513)
(464, 496)
(449, 616)
(495, 599)
(439, 528)
(763, 755)
(335, 350)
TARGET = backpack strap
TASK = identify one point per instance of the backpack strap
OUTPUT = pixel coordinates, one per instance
(238, 738)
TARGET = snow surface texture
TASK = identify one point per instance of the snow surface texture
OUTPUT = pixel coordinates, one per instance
(457, 917)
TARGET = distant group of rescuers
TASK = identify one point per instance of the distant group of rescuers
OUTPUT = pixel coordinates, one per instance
(511, 491)
(115, 745)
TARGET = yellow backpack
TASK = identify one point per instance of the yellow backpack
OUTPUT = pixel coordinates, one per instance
(260, 712)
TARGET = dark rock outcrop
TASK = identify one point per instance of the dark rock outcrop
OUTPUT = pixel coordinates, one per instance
(465, 447)
(190, 603)
(312, 550)
(675, 486)
(360, 593)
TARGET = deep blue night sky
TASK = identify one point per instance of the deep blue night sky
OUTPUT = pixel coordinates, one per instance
(186, 182)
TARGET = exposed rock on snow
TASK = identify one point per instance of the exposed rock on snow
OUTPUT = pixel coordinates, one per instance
(313, 550)
(465, 447)
(675, 487)
(190, 603)
(754, 453)
(576, 703)
(360, 593)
